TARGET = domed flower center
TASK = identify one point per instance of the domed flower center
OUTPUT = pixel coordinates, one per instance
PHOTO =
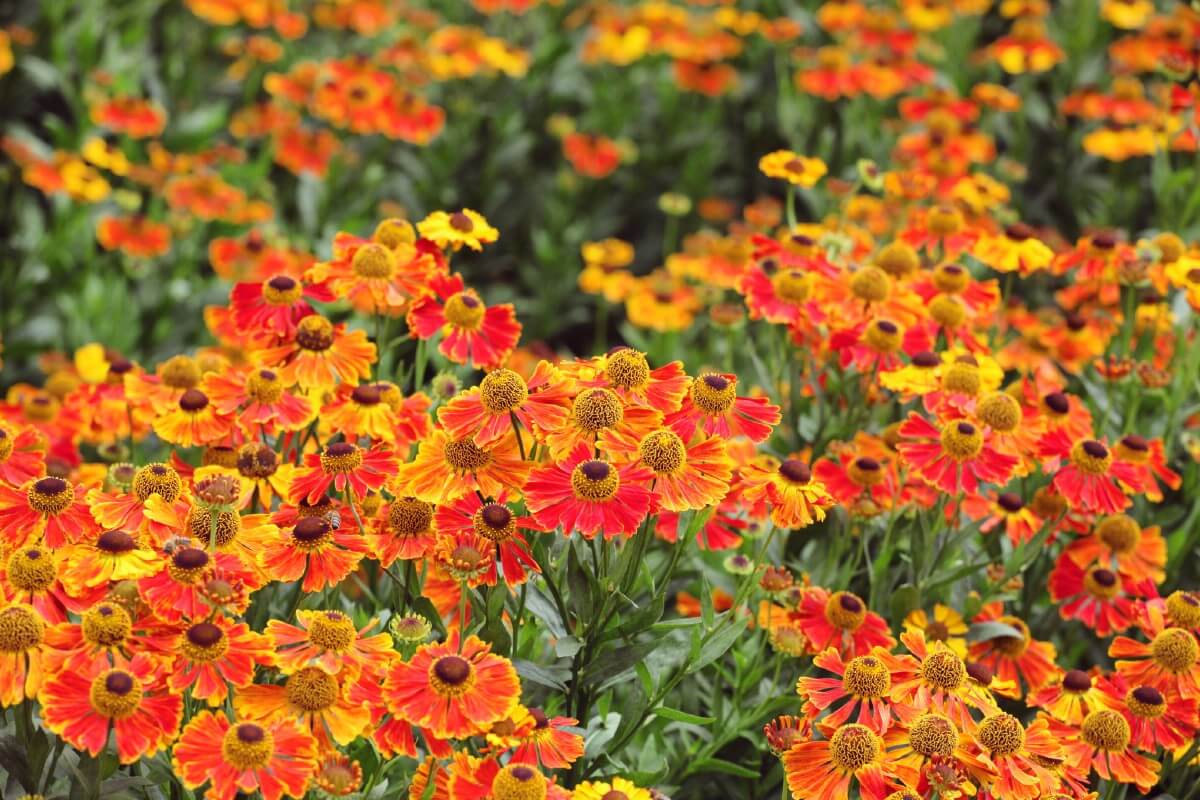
(247, 746)
(962, 441)
(314, 333)
(1102, 583)
(106, 625)
(461, 222)
(627, 368)
(845, 611)
(980, 673)
(925, 360)
(465, 456)
(179, 372)
(871, 285)
(159, 479)
(373, 261)
(883, 336)
(502, 391)
(597, 409)
(1183, 609)
(332, 630)
(1010, 502)
(795, 471)
(408, 516)
(282, 290)
(256, 460)
(792, 285)
(1091, 457)
(201, 525)
(947, 310)
(950, 278)
(1057, 403)
(464, 311)
(21, 629)
(451, 676)
(1106, 729)
(663, 452)
(1000, 412)
(6, 444)
(944, 670)
(311, 532)
(936, 631)
(312, 689)
(189, 559)
(595, 481)
(962, 379)
(115, 542)
(1175, 650)
(31, 570)
(368, 394)
(1134, 449)
(714, 394)
(933, 735)
(263, 386)
(204, 643)
(867, 677)
(495, 521)
(1018, 232)
(50, 496)
(518, 782)
(853, 747)
(115, 694)
(341, 457)
(1002, 734)
(898, 259)
(865, 471)
(1146, 702)
(193, 401)
(1076, 681)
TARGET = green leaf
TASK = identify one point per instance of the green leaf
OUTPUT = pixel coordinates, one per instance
(983, 631)
(682, 716)
(616, 660)
(721, 765)
(718, 644)
(550, 677)
(567, 647)
(904, 599)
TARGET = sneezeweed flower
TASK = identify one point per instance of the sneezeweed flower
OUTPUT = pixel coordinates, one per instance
(686, 476)
(1148, 460)
(497, 524)
(1169, 662)
(1014, 660)
(795, 169)
(344, 466)
(157, 502)
(446, 469)
(402, 530)
(861, 693)
(272, 308)
(796, 499)
(785, 731)
(957, 456)
(713, 405)
(935, 678)
(21, 633)
(276, 757)
(471, 332)
(319, 354)
(136, 236)
(112, 556)
(30, 575)
(318, 700)
(215, 655)
(107, 634)
(130, 700)
(329, 640)
(1020, 761)
(589, 495)
(48, 509)
(454, 692)
(944, 625)
(465, 227)
(1090, 479)
(1068, 699)
(536, 738)
(337, 775)
(1156, 719)
(539, 404)
(841, 620)
(826, 769)
(1007, 509)
(1016, 249)
(1102, 743)
(21, 454)
(259, 400)
(1096, 596)
(614, 787)
(193, 421)
(177, 591)
(313, 550)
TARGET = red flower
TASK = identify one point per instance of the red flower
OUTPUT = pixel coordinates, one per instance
(841, 620)
(1095, 596)
(1089, 479)
(471, 332)
(496, 523)
(954, 458)
(712, 404)
(276, 757)
(588, 495)
(48, 509)
(346, 467)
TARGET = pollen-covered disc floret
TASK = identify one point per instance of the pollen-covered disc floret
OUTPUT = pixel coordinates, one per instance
(1001, 734)
(282, 290)
(950, 278)
(519, 782)
(494, 521)
(106, 625)
(180, 372)
(595, 480)
(408, 516)
(1000, 411)
(331, 630)
(204, 642)
(1183, 609)
(962, 440)
(466, 456)
(962, 378)
(627, 368)
(31, 569)
(867, 677)
(871, 285)
(502, 390)
(1106, 729)
(663, 451)
(597, 409)
(947, 310)
(341, 457)
(314, 333)
(884, 336)
(1091, 457)
(853, 747)
(451, 676)
(465, 311)
(115, 694)
(944, 669)
(933, 735)
(50, 495)
(201, 520)
(792, 286)
(312, 689)
(1120, 532)
(256, 460)
(1175, 650)
(373, 261)
(20, 629)
(1146, 702)
(247, 746)
(264, 386)
(160, 479)
(714, 394)
(845, 611)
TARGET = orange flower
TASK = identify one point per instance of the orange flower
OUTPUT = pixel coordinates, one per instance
(29, 575)
(111, 556)
(445, 469)
(133, 116)
(842, 621)
(1014, 659)
(1013, 761)
(403, 530)
(180, 589)
(320, 354)
(259, 400)
(327, 639)
(380, 275)
(454, 692)
(539, 404)
(315, 551)
(216, 654)
(713, 405)
(685, 477)
(21, 457)
(471, 332)
(135, 236)
(276, 757)
(537, 739)
(21, 635)
(826, 769)
(346, 467)
(589, 495)
(591, 155)
(320, 701)
(46, 509)
(377, 411)
(1096, 596)
(795, 498)
(1169, 662)
(1102, 743)
(498, 526)
(107, 634)
(1089, 478)
(193, 421)
(863, 683)
(130, 699)
(935, 678)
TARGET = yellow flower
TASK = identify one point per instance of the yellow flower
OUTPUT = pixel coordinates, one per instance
(946, 625)
(91, 363)
(1127, 14)
(596, 790)
(458, 228)
(795, 169)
